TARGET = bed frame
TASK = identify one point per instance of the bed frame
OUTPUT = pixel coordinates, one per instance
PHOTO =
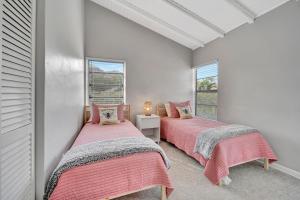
(86, 117)
(161, 111)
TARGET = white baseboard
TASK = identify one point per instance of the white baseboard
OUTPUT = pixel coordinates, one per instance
(284, 169)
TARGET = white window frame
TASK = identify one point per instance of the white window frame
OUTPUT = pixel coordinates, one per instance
(86, 78)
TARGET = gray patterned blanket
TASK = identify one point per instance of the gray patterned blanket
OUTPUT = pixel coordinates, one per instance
(102, 150)
(207, 140)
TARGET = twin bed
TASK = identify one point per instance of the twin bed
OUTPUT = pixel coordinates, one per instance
(228, 153)
(119, 176)
(116, 177)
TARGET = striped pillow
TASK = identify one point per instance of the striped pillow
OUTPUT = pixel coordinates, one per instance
(167, 106)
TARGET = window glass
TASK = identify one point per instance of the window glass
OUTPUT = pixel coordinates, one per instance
(207, 91)
(105, 82)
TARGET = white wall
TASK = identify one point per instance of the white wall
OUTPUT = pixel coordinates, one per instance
(157, 68)
(60, 81)
(259, 78)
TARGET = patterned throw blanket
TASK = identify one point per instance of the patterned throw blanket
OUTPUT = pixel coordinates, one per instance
(102, 150)
(207, 140)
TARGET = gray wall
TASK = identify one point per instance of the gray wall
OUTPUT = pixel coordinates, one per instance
(157, 68)
(60, 81)
(259, 78)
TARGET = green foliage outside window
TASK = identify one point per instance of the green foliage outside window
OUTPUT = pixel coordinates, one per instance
(207, 91)
(106, 82)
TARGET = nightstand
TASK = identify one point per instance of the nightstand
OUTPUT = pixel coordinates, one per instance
(149, 126)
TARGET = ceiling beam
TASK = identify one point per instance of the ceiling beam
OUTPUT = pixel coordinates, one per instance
(243, 9)
(195, 16)
(160, 21)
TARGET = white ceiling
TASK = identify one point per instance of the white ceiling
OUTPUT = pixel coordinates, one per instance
(192, 23)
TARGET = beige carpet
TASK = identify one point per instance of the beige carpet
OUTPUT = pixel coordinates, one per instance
(249, 182)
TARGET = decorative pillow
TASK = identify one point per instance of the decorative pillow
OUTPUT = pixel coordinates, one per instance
(167, 106)
(95, 112)
(173, 105)
(108, 115)
(185, 112)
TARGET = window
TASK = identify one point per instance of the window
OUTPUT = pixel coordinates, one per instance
(207, 91)
(105, 81)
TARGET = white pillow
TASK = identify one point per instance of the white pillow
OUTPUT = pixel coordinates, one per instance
(167, 106)
(185, 112)
(108, 116)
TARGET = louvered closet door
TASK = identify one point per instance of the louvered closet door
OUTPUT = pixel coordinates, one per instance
(17, 99)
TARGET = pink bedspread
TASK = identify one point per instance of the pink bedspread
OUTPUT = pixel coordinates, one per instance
(228, 153)
(111, 177)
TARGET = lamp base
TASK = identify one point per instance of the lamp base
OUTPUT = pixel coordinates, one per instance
(148, 114)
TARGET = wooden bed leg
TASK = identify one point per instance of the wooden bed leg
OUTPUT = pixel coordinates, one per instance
(266, 164)
(163, 193)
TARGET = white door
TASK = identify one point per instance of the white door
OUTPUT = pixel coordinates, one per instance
(17, 99)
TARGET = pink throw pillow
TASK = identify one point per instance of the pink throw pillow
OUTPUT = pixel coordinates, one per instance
(95, 112)
(174, 111)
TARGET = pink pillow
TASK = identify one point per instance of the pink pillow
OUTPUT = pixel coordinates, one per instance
(173, 105)
(95, 112)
